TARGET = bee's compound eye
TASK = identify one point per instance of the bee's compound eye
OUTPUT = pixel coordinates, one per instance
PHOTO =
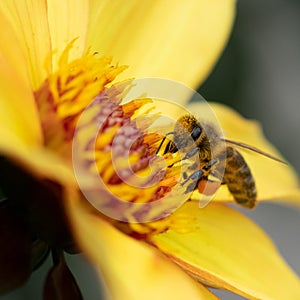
(196, 132)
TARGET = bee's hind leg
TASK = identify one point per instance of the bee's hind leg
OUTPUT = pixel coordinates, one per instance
(199, 176)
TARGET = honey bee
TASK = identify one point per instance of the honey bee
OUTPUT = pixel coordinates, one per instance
(226, 164)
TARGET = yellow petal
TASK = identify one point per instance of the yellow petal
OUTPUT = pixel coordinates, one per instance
(132, 270)
(179, 40)
(29, 21)
(20, 132)
(274, 180)
(16, 96)
(223, 248)
(68, 20)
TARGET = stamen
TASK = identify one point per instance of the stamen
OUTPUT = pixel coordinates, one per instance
(66, 93)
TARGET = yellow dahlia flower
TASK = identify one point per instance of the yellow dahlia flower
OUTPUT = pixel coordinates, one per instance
(58, 57)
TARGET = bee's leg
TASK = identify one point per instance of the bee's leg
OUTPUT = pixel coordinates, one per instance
(160, 145)
(210, 165)
(170, 146)
(196, 176)
(202, 172)
(218, 175)
(191, 153)
(199, 176)
(204, 186)
(219, 169)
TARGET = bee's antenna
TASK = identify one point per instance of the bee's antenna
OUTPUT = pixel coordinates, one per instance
(246, 146)
(163, 140)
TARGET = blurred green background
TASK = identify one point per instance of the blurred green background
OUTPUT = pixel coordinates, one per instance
(259, 76)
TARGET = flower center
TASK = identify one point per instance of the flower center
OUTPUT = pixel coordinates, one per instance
(80, 97)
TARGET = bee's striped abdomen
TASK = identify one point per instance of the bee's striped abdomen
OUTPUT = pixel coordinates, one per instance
(239, 179)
